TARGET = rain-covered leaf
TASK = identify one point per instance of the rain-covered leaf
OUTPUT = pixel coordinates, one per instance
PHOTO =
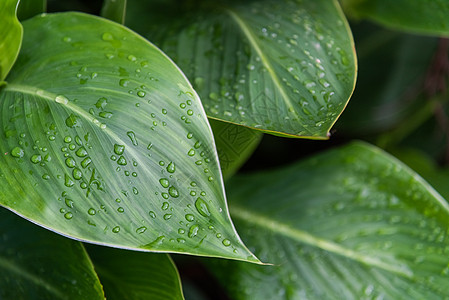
(423, 16)
(352, 223)
(104, 140)
(285, 67)
(134, 275)
(114, 10)
(38, 264)
(30, 8)
(10, 36)
(235, 144)
(385, 96)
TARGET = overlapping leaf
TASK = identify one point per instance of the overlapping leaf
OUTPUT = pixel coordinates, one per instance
(114, 10)
(104, 140)
(10, 36)
(134, 275)
(38, 264)
(424, 16)
(285, 67)
(353, 223)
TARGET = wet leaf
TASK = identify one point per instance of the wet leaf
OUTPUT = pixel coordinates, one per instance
(101, 133)
(352, 223)
(425, 16)
(10, 36)
(283, 67)
(38, 264)
(134, 275)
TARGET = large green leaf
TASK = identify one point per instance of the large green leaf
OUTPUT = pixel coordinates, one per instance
(235, 144)
(423, 16)
(285, 67)
(134, 275)
(352, 223)
(10, 36)
(386, 96)
(38, 264)
(104, 140)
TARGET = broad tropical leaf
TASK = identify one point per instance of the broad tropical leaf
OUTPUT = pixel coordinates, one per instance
(38, 264)
(10, 36)
(352, 223)
(235, 144)
(134, 275)
(114, 10)
(424, 16)
(285, 67)
(105, 141)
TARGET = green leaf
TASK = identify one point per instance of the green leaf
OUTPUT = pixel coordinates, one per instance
(30, 8)
(38, 264)
(398, 89)
(10, 36)
(135, 275)
(114, 10)
(424, 16)
(235, 144)
(285, 67)
(352, 223)
(101, 133)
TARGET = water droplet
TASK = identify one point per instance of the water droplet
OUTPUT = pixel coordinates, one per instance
(181, 231)
(164, 182)
(173, 192)
(171, 168)
(73, 121)
(116, 229)
(132, 137)
(124, 82)
(165, 195)
(141, 230)
(122, 161)
(135, 191)
(68, 182)
(69, 202)
(101, 103)
(61, 99)
(120, 209)
(167, 216)
(132, 57)
(106, 114)
(226, 242)
(46, 177)
(202, 207)
(191, 152)
(119, 149)
(77, 174)
(190, 217)
(81, 152)
(165, 206)
(36, 158)
(68, 215)
(17, 152)
(91, 211)
(141, 94)
(152, 214)
(193, 231)
(70, 162)
(86, 162)
(107, 36)
(189, 135)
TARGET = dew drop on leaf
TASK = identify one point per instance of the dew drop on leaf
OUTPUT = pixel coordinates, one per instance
(17, 152)
(193, 231)
(202, 207)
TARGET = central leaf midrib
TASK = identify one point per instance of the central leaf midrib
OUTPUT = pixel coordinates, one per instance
(265, 61)
(304, 237)
(14, 268)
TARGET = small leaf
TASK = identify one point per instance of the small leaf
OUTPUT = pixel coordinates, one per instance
(100, 136)
(135, 275)
(38, 264)
(10, 36)
(114, 10)
(352, 223)
(285, 67)
(424, 16)
(235, 144)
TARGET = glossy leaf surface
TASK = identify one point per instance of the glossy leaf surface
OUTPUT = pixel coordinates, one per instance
(424, 16)
(352, 223)
(10, 36)
(130, 275)
(104, 140)
(114, 10)
(285, 67)
(38, 264)
(235, 144)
